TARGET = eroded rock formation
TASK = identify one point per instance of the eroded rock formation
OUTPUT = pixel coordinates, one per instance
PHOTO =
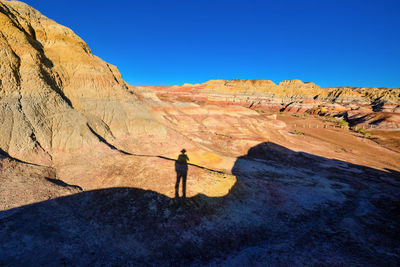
(380, 105)
(87, 164)
(54, 93)
(61, 106)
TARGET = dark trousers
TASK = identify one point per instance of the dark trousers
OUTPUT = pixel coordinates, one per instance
(182, 175)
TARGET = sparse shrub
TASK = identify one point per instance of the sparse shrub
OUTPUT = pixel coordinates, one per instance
(340, 122)
(329, 119)
(364, 132)
(260, 111)
(304, 115)
(361, 131)
(367, 135)
(298, 132)
(343, 124)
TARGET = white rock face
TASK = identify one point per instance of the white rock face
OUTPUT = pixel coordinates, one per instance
(53, 89)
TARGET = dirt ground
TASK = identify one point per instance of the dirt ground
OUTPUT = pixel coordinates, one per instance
(381, 150)
(306, 196)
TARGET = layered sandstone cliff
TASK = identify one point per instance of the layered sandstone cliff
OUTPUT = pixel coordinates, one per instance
(54, 93)
(367, 106)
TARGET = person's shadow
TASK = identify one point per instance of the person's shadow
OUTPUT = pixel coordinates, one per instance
(181, 168)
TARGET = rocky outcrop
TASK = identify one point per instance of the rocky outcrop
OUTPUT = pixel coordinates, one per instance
(54, 93)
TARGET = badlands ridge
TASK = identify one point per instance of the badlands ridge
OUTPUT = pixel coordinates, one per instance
(86, 155)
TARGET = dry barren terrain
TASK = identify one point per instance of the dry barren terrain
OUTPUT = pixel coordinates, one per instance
(279, 174)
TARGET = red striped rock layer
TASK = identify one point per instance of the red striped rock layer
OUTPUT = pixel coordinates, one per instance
(292, 96)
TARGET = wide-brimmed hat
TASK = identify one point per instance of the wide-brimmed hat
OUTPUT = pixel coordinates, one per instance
(183, 150)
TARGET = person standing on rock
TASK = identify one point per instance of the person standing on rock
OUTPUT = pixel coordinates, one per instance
(181, 168)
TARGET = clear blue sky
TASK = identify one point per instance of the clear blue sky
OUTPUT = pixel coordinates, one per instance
(166, 42)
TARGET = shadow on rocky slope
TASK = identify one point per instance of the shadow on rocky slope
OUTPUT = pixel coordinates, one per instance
(287, 207)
